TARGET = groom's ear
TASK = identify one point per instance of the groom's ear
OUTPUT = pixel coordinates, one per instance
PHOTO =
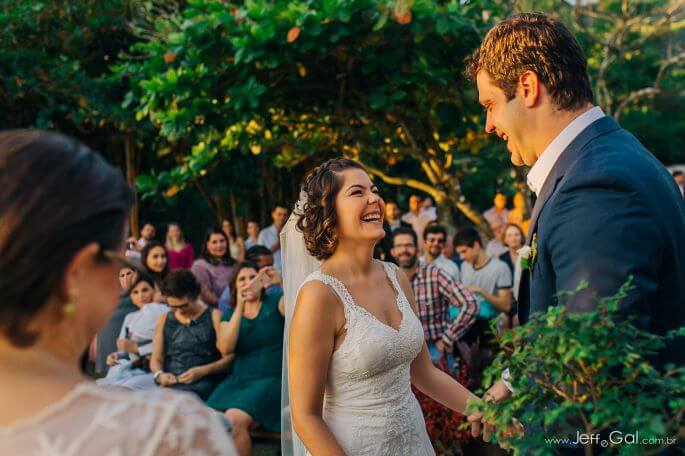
(529, 88)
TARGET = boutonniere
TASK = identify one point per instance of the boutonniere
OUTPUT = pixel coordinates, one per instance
(527, 253)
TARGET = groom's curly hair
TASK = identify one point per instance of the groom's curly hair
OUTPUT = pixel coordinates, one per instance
(539, 43)
(317, 218)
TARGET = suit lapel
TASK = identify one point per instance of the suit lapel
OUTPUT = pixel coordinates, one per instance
(566, 159)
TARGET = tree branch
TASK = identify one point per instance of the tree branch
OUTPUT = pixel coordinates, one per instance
(654, 89)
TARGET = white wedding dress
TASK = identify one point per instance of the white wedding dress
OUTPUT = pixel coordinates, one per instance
(368, 403)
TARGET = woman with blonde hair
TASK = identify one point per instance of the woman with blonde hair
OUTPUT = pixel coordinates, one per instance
(179, 253)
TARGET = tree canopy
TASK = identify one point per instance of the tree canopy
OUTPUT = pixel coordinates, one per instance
(216, 99)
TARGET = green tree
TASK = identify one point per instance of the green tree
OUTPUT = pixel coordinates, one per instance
(302, 80)
(55, 73)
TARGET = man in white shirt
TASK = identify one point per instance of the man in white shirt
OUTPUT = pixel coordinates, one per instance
(495, 247)
(603, 194)
(434, 238)
(417, 219)
(147, 234)
(269, 237)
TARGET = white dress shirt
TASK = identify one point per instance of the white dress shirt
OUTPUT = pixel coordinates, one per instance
(541, 169)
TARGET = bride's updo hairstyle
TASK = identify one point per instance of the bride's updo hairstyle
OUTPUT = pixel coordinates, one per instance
(57, 197)
(317, 218)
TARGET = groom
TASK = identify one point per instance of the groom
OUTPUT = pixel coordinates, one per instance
(606, 208)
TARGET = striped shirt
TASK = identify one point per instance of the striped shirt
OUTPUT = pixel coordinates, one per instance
(435, 291)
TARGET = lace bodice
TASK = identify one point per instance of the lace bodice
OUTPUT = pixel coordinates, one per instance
(368, 402)
(92, 420)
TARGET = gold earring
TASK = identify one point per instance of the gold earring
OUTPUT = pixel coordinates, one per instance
(68, 308)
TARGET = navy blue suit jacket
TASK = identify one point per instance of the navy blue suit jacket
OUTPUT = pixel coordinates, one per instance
(609, 210)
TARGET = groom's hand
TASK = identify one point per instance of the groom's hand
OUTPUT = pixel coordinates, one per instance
(497, 393)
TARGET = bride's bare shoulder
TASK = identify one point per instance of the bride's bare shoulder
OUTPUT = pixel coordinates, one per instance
(315, 295)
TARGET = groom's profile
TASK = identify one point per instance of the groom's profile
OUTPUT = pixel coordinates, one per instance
(606, 208)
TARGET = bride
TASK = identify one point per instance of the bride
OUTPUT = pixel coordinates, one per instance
(354, 343)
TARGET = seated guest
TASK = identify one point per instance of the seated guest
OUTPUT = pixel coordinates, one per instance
(185, 355)
(135, 339)
(263, 258)
(253, 331)
(61, 198)
(107, 337)
(156, 264)
(179, 252)
(214, 268)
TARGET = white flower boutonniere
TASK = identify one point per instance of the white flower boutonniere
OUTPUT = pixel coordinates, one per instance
(527, 254)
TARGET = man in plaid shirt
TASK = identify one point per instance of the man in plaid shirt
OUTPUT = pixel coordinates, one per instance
(434, 291)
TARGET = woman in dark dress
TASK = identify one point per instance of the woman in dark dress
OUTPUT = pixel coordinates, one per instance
(185, 354)
(253, 331)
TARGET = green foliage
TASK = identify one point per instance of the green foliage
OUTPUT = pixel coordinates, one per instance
(586, 372)
(206, 85)
(54, 64)
(302, 80)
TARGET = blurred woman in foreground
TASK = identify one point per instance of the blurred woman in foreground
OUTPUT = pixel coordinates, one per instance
(59, 197)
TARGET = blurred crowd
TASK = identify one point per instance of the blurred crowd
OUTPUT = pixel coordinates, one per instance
(197, 322)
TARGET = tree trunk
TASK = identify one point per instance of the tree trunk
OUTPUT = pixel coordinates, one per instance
(131, 174)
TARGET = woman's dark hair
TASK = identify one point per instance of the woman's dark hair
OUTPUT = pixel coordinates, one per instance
(255, 252)
(317, 218)
(157, 276)
(230, 223)
(234, 279)
(204, 253)
(141, 277)
(181, 283)
(57, 197)
(520, 230)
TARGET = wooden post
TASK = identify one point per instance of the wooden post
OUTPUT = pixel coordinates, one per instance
(129, 151)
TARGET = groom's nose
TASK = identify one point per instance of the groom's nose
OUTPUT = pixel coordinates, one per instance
(489, 126)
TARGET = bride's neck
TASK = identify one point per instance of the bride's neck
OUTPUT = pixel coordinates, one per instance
(351, 259)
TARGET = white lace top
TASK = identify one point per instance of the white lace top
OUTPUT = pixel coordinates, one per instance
(368, 402)
(92, 420)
